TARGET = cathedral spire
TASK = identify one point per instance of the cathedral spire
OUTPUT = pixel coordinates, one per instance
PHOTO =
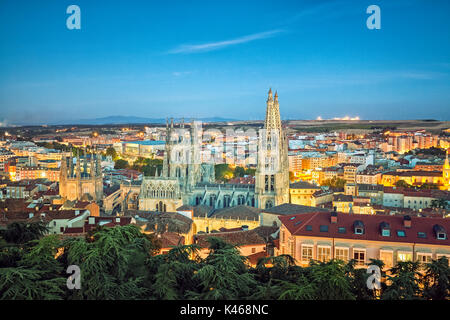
(272, 113)
(78, 168)
(446, 163)
(92, 165)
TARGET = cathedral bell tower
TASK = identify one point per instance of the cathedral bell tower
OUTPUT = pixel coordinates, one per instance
(272, 172)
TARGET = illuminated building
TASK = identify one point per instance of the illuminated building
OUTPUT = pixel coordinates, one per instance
(79, 182)
(324, 236)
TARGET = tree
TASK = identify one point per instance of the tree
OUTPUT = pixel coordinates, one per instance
(112, 152)
(36, 274)
(330, 280)
(239, 172)
(223, 275)
(405, 282)
(223, 172)
(22, 232)
(437, 279)
(104, 257)
(334, 182)
(402, 184)
(121, 164)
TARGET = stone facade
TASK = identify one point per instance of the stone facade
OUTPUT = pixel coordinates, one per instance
(81, 181)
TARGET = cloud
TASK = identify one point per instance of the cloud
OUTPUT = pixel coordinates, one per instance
(181, 73)
(194, 48)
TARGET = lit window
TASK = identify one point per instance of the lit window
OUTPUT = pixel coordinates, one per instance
(404, 256)
(341, 254)
(360, 256)
(307, 253)
(387, 258)
(323, 254)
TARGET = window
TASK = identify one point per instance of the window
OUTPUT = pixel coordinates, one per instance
(360, 256)
(386, 233)
(323, 253)
(359, 230)
(387, 257)
(291, 245)
(341, 254)
(308, 228)
(341, 230)
(421, 235)
(401, 233)
(441, 236)
(253, 250)
(323, 229)
(424, 257)
(307, 253)
(404, 256)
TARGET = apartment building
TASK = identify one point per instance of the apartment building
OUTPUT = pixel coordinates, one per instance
(323, 236)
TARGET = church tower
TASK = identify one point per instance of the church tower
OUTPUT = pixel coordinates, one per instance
(272, 172)
(446, 172)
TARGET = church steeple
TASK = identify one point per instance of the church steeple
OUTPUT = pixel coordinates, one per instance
(273, 120)
(272, 171)
(446, 163)
(446, 172)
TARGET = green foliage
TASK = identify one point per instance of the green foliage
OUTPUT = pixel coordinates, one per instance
(223, 275)
(147, 166)
(22, 232)
(112, 152)
(121, 164)
(402, 184)
(123, 263)
(437, 280)
(105, 258)
(223, 172)
(334, 182)
(405, 282)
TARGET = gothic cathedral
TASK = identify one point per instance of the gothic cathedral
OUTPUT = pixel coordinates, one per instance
(186, 180)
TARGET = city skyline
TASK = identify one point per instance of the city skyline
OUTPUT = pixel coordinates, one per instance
(214, 60)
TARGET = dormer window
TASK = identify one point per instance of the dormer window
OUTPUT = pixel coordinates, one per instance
(441, 233)
(385, 229)
(358, 227)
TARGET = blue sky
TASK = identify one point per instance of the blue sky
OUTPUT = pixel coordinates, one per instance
(218, 58)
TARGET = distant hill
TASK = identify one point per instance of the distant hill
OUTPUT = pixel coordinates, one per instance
(133, 120)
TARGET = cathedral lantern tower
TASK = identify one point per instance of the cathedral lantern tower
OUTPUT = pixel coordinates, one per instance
(272, 173)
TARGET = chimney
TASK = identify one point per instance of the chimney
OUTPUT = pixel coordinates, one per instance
(407, 221)
(334, 216)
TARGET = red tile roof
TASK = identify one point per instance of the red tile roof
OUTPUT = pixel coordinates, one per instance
(296, 224)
